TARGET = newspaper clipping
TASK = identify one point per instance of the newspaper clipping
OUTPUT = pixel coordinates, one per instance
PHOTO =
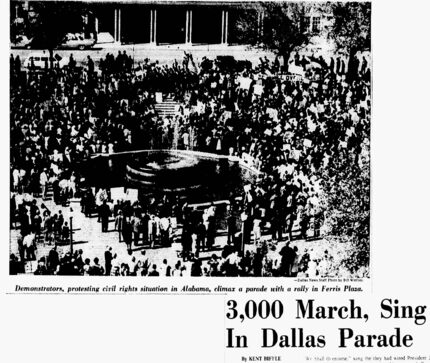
(190, 181)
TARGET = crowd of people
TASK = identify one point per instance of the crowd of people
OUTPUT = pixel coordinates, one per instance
(287, 262)
(290, 126)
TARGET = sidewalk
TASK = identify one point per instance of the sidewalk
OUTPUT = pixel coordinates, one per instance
(88, 237)
(164, 54)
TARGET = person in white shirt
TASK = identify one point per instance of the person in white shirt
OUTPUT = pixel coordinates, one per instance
(132, 265)
(186, 269)
(177, 271)
(16, 179)
(156, 228)
(43, 183)
(115, 265)
(257, 230)
(165, 231)
(165, 269)
(28, 245)
(186, 140)
(151, 230)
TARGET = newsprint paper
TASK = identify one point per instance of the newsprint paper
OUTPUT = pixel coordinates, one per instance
(215, 181)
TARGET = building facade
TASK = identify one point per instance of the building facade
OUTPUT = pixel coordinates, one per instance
(161, 22)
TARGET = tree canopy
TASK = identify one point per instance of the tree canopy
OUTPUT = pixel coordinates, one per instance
(351, 27)
(347, 201)
(53, 21)
(281, 30)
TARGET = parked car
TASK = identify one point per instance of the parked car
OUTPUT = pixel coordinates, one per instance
(76, 41)
(21, 41)
(105, 38)
(41, 59)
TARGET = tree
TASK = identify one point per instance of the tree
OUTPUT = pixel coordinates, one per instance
(281, 30)
(346, 195)
(52, 21)
(351, 30)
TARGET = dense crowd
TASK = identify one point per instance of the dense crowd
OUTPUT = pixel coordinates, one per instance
(288, 126)
(228, 264)
(288, 262)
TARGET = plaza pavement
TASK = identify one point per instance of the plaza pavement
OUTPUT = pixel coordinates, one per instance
(164, 54)
(88, 237)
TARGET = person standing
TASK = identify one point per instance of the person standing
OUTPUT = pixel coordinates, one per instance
(108, 260)
(153, 228)
(246, 231)
(53, 260)
(90, 65)
(287, 260)
(37, 224)
(257, 263)
(165, 231)
(16, 179)
(65, 232)
(154, 271)
(257, 230)
(136, 225)
(201, 235)
(119, 220)
(96, 269)
(104, 214)
(43, 179)
(295, 265)
(56, 190)
(165, 269)
(127, 231)
(196, 268)
(29, 246)
(211, 229)
(231, 226)
(144, 227)
(144, 264)
(186, 240)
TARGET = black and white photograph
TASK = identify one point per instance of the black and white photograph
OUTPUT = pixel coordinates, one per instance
(190, 139)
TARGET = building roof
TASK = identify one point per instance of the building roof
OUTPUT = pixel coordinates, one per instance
(240, 3)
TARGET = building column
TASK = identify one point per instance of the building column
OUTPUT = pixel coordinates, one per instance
(224, 27)
(189, 27)
(117, 25)
(153, 26)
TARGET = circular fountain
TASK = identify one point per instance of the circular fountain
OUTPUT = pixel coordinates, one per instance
(167, 170)
(200, 176)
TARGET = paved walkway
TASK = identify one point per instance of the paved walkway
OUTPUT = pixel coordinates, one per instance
(164, 54)
(88, 236)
